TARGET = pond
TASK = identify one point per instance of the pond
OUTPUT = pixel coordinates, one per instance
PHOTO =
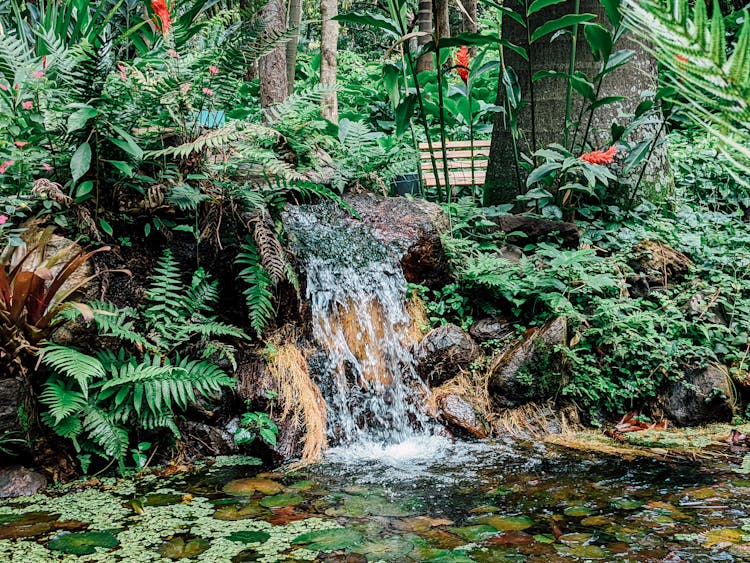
(428, 499)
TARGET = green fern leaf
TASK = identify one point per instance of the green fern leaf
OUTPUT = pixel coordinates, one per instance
(74, 364)
(258, 294)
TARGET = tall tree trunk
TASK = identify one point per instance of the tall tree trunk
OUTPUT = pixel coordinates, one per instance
(329, 39)
(424, 23)
(469, 16)
(441, 18)
(295, 19)
(272, 67)
(639, 75)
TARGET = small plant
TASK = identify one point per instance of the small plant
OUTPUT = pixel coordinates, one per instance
(254, 425)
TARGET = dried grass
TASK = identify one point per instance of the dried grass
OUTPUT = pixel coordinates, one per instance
(470, 387)
(534, 420)
(301, 401)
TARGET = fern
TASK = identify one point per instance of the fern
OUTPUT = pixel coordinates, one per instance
(61, 399)
(105, 432)
(258, 294)
(714, 90)
(166, 290)
(186, 198)
(74, 364)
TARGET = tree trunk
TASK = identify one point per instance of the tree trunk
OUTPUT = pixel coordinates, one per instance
(469, 16)
(424, 23)
(329, 39)
(272, 67)
(295, 19)
(639, 75)
(441, 18)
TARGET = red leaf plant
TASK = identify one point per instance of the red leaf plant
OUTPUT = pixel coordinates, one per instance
(462, 63)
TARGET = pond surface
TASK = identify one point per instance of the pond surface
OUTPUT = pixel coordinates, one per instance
(425, 500)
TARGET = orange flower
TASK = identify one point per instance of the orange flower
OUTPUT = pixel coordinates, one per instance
(462, 63)
(162, 17)
(600, 157)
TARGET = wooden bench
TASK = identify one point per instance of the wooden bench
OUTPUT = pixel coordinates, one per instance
(459, 158)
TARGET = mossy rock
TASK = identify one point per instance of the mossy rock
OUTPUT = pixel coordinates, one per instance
(83, 543)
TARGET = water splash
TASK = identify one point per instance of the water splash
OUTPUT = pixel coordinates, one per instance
(357, 291)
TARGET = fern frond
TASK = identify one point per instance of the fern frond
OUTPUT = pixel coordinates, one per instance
(116, 322)
(69, 427)
(165, 291)
(186, 198)
(61, 400)
(272, 255)
(102, 429)
(73, 364)
(258, 294)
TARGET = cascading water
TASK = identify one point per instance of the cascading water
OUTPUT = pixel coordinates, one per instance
(356, 291)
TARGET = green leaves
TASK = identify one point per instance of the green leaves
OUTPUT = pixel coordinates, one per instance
(538, 5)
(371, 19)
(78, 119)
(559, 24)
(81, 161)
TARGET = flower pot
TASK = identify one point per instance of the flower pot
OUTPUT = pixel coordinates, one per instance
(406, 184)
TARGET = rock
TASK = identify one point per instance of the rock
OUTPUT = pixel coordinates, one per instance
(17, 481)
(325, 169)
(537, 229)
(659, 263)
(12, 394)
(209, 440)
(702, 396)
(491, 329)
(529, 370)
(412, 229)
(444, 352)
(460, 417)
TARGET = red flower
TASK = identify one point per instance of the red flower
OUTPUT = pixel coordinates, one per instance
(462, 63)
(681, 58)
(162, 18)
(5, 165)
(600, 157)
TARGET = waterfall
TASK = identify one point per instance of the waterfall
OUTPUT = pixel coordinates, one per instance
(356, 291)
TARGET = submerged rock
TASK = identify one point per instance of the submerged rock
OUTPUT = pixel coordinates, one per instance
(17, 481)
(444, 352)
(460, 417)
(702, 396)
(529, 370)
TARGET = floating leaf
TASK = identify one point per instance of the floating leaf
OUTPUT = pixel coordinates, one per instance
(721, 537)
(390, 549)
(183, 548)
(329, 540)
(595, 521)
(250, 510)
(475, 533)
(276, 501)
(83, 543)
(507, 523)
(582, 551)
(249, 536)
(248, 487)
(626, 504)
(577, 511)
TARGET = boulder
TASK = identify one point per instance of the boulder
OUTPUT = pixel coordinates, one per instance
(12, 394)
(491, 329)
(530, 369)
(444, 352)
(411, 228)
(536, 229)
(17, 481)
(702, 396)
(460, 417)
(659, 263)
(209, 440)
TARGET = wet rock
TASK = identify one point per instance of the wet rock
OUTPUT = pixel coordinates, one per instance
(444, 352)
(529, 370)
(208, 440)
(17, 481)
(460, 417)
(659, 263)
(537, 229)
(702, 396)
(491, 329)
(412, 229)
(12, 393)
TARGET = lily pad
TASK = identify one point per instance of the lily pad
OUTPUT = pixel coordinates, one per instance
(723, 537)
(83, 543)
(445, 556)
(248, 487)
(508, 523)
(577, 511)
(627, 504)
(278, 501)
(249, 536)
(582, 551)
(233, 512)
(183, 548)
(595, 521)
(389, 549)
(329, 540)
(475, 533)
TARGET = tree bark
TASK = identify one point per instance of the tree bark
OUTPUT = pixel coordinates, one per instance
(295, 19)
(424, 23)
(639, 75)
(441, 18)
(329, 39)
(469, 18)
(272, 67)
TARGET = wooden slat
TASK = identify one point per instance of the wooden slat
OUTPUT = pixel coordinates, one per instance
(456, 179)
(455, 154)
(454, 164)
(454, 144)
